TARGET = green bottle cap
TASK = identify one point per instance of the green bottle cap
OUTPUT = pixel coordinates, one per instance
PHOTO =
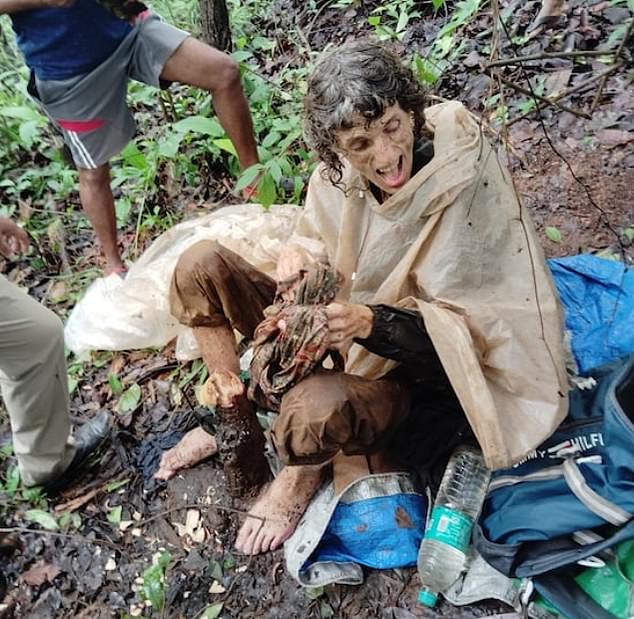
(427, 597)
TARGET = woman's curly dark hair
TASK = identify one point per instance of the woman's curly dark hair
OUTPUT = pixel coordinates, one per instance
(359, 79)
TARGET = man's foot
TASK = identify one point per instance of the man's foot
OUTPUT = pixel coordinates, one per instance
(275, 515)
(88, 438)
(195, 446)
(116, 267)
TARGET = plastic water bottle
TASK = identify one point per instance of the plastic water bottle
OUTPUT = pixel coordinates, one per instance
(442, 554)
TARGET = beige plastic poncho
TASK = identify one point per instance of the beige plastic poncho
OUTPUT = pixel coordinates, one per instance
(455, 244)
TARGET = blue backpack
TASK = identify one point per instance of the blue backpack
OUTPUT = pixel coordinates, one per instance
(569, 500)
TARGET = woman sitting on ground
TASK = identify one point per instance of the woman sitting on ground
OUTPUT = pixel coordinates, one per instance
(447, 316)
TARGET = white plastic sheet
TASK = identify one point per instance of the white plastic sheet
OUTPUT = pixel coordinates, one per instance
(132, 313)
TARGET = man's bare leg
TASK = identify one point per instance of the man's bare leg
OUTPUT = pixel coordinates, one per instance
(200, 65)
(276, 513)
(96, 199)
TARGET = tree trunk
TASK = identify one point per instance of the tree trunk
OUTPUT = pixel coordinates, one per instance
(214, 18)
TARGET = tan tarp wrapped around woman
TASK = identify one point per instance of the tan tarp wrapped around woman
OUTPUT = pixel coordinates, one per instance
(455, 243)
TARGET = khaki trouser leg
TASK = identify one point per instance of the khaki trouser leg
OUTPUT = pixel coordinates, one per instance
(34, 385)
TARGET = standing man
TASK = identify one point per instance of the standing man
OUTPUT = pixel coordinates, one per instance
(34, 384)
(81, 56)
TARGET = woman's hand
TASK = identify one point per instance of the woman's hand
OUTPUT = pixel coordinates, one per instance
(347, 321)
(12, 238)
(291, 261)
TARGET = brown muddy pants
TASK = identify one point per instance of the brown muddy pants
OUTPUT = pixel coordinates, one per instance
(324, 414)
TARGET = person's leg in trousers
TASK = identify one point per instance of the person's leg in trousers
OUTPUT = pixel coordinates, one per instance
(214, 291)
(323, 415)
(34, 385)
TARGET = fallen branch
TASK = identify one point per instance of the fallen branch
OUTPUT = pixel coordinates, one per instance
(617, 55)
(534, 95)
(546, 55)
(570, 91)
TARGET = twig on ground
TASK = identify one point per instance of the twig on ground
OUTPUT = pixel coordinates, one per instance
(546, 55)
(617, 55)
(570, 91)
(531, 93)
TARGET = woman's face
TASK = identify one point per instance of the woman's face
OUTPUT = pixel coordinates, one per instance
(383, 151)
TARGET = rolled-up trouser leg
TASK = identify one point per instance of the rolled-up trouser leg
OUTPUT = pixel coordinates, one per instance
(34, 385)
(330, 412)
(212, 286)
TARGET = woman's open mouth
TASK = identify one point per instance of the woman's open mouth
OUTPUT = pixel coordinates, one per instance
(394, 175)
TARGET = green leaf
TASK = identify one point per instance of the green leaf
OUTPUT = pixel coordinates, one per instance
(241, 55)
(42, 518)
(229, 563)
(170, 145)
(132, 156)
(629, 233)
(266, 190)
(72, 384)
(260, 42)
(275, 170)
(69, 519)
(248, 176)
(437, 4)
(33, 495)
(374, 20)
(12, 481)
(314, 592)
(29, 130)
(271, 139)
(553, 234)
(130, 399)
(227, 145)
(21, 112)
(200, 124)
(6, 450)
(115, 384)
(153, 588)
(215, 570)
(114, 515)
(211, 612)
(115, 485)
(326, 611)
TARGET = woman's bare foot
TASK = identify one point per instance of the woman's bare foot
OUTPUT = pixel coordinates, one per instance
(278, 510)
(195, 446)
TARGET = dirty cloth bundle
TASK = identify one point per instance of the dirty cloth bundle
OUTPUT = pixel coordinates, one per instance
(292, 340)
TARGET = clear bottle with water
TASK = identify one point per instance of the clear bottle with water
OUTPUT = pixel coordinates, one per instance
(442, 554)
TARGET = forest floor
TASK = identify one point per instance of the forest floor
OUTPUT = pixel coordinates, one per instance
(95, 559)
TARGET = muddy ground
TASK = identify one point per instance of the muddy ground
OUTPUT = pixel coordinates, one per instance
(93, 566)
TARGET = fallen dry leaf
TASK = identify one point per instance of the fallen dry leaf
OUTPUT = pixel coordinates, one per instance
(40, 573)
(216, 587)
(76, 503)
(192, 528)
